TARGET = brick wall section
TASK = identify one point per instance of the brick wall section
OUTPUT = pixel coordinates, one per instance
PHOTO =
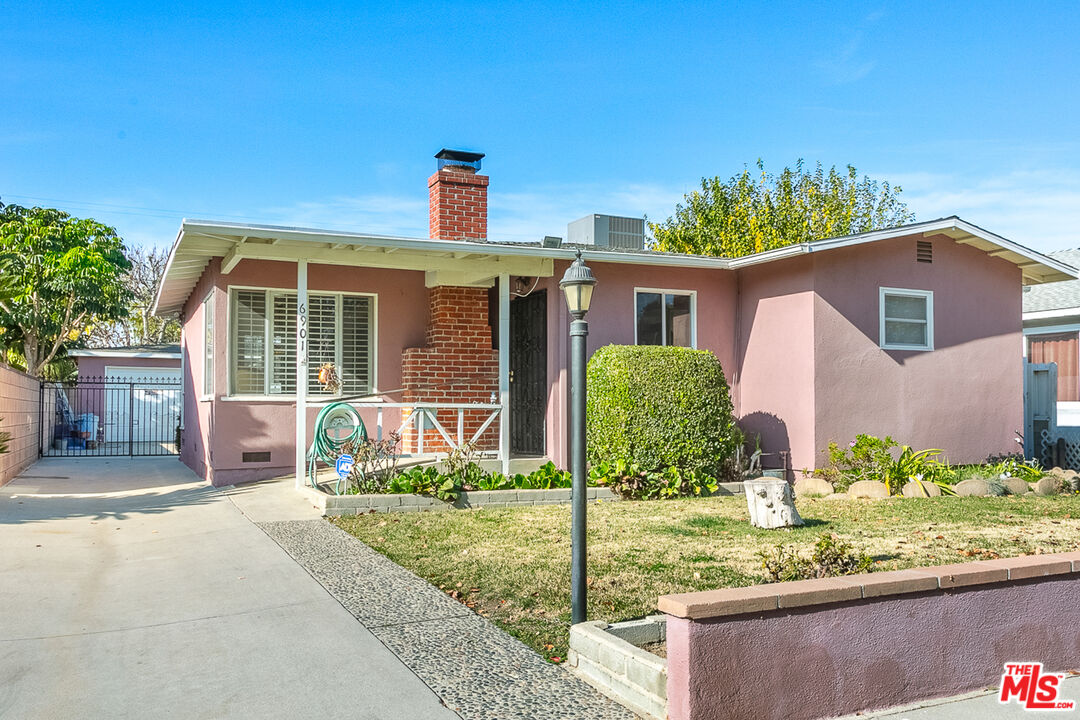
(457, 204)
(458, 365)
(20, 395)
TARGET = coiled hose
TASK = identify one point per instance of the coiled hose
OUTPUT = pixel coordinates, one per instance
(327, 448)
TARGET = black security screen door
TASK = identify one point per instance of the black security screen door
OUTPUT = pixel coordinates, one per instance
(528, 373)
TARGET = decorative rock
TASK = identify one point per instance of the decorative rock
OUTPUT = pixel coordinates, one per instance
(921, 489)
(808, 486)
(868, 489)
(1048, 485)
(972, 487)
(771, 503)
(1016, 486)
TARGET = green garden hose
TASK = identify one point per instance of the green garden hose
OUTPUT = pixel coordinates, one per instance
(326, 447)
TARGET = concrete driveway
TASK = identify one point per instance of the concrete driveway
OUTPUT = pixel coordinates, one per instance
(130, 589)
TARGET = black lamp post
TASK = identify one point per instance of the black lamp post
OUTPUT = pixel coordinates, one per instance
(577, 284)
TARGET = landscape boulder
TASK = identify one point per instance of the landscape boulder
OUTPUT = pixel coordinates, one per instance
(870, 489)
(808, 486)
(1016, 486)
(972, 487)
(1048, 485)
(920, 490)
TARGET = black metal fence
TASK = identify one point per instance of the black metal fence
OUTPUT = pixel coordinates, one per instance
(109, 417)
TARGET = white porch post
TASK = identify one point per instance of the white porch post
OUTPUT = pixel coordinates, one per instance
(301, 371)
(504, 371)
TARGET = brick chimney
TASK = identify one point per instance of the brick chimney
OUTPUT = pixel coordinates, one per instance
(458, 197)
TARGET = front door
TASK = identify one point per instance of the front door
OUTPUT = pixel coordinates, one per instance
(528, 373)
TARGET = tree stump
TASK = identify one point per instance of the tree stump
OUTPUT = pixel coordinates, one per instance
(771, 503)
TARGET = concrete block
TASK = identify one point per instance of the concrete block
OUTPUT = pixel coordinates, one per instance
(650, 678)
(384, 501)
(639, 632)
(611, 657)
(531, 496)
(620, 690)
(585, 637)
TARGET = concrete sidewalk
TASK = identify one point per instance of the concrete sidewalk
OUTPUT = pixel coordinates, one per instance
(131, 589)
(981, 705)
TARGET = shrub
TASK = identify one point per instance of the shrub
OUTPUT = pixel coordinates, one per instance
(831, 557)
(865, 458)
(659, 407)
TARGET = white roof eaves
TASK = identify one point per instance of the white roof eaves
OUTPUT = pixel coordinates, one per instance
(89, 352)
(225, 231)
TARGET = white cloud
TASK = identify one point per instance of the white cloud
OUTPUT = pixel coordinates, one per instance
(1039, 209)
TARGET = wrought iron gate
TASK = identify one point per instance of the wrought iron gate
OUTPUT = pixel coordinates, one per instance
(111, 417)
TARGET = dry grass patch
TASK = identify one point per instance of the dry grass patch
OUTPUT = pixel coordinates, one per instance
(513, 565)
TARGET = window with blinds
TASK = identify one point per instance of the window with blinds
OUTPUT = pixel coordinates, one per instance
(339, 332)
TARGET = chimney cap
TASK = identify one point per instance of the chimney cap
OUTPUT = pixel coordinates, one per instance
(458, 157)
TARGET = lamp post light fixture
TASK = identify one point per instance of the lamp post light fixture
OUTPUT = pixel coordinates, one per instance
(577, 284)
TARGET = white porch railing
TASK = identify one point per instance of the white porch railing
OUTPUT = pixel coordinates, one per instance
(424, 415)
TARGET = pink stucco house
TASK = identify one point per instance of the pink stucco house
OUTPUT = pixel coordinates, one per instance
(913, 331)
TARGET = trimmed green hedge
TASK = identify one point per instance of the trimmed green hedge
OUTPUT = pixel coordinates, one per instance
(659, 407)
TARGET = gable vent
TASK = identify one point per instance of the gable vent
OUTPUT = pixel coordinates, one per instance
(924, 251)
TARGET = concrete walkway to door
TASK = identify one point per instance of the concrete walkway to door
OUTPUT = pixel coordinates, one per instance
(130, 589)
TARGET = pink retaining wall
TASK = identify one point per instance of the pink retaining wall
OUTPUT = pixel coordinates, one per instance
(872, 652)
(20, 396)
(218, 431)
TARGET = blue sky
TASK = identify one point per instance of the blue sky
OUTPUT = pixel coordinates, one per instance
(328, 115)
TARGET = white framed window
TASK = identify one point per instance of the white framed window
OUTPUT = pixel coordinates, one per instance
(208, 345)
(665, 317)
(262, 335)
(906, 319)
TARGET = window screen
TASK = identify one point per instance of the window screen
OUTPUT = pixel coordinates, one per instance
(906, 319)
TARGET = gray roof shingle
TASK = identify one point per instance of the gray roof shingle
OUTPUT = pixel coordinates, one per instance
(1055, 295)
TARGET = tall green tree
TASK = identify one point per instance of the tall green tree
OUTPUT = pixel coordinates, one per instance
(755, 212)
(60, 275)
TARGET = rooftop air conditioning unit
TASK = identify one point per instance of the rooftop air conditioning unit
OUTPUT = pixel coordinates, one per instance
(608, 231)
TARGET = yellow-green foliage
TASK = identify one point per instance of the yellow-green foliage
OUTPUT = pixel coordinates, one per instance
(751, 213)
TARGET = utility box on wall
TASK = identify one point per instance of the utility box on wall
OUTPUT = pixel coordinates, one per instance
(608, 231)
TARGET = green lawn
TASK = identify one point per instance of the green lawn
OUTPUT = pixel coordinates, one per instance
(513, 565)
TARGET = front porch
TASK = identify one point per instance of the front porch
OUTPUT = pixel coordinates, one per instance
(428, 354)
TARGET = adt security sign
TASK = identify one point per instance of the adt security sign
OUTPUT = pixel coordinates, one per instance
(344, 466)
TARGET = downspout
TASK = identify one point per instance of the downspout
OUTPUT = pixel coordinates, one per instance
(736, 382)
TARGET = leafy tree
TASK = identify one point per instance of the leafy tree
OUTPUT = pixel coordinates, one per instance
(60, 274)
(139, 326)
(753, 213)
